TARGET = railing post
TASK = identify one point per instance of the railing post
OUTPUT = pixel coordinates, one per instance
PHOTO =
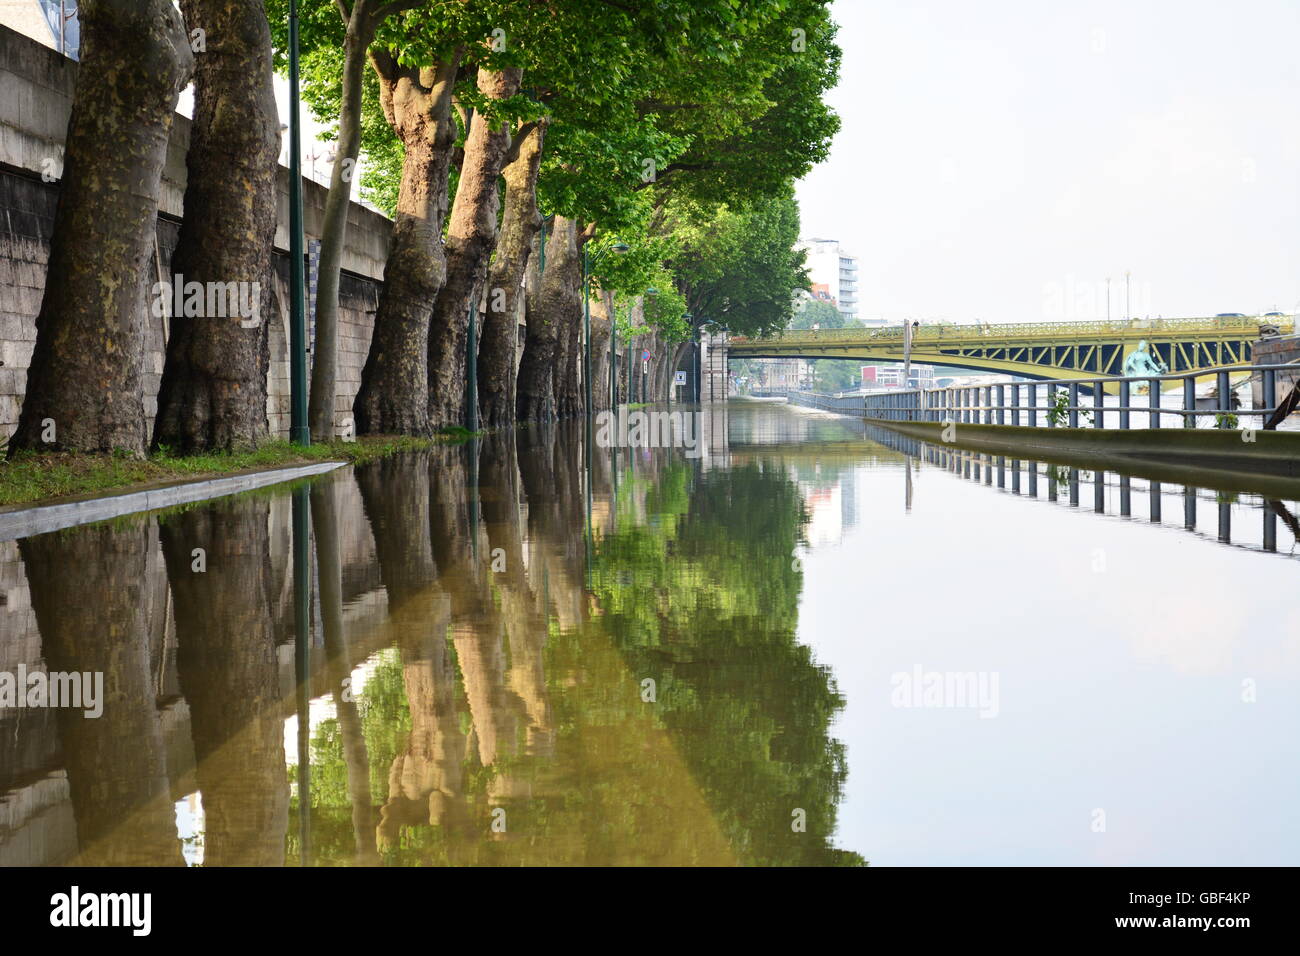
(1002, 403)
(1225, 400)
(1074, 404)
(1189, 401)
(1051, 404)
(1099, 404)
(1153, 401)
(1123, 404)
(1270, 394)
(1015, 405)
(1032, 405)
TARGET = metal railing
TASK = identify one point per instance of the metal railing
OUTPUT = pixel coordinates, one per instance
(1017, 403)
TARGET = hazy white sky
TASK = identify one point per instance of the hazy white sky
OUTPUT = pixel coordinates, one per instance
(1000, 160)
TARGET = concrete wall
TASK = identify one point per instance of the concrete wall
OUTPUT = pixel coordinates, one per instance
(36, 86)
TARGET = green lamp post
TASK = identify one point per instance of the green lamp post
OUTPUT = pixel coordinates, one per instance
(299, 432)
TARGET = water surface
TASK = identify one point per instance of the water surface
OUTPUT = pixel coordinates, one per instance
(533, 651)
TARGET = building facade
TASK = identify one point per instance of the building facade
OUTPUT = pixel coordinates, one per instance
(834, 273)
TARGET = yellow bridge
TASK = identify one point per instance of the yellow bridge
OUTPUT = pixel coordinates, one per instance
(1043, 350)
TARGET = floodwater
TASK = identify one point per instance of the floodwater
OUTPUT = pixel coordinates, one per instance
(799, 642)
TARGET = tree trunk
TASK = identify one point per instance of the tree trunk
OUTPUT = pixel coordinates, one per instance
(394, 398)
(602, 312)
(568, 381)
(361, 26)
(561, 299)
(84, 383)
(599, 361)
(519, 225)
(471, 237)
(213, 390)
(550, 299)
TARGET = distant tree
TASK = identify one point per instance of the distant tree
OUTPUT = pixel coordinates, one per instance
(836, 375)
(816, 312)
(738, 267)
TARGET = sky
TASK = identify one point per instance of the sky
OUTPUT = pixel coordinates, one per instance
(1000, 161)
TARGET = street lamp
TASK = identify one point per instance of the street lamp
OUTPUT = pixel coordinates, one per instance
(620, 248)
(299, 432)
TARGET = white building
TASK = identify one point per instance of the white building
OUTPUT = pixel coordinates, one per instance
(831, 266)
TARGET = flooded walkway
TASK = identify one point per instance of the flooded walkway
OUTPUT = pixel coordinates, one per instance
(803, 644)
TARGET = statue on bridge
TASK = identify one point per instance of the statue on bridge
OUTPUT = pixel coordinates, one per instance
(1141, 362)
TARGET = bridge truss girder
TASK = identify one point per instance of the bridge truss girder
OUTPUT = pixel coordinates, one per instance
(1029, 359)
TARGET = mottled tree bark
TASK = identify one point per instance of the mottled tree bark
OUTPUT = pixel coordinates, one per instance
(519, 225)
(84, 384)
(569, 367)
(95, 621)
(471, 237)
(213, 390)
(602, 309)
(599, 361)
(361, 24)
(554, 304)
(229, 673)
(394, 397)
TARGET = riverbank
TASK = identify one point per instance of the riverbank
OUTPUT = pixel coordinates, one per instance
(31, 479)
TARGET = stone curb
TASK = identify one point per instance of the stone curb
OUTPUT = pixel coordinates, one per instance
(30, 521)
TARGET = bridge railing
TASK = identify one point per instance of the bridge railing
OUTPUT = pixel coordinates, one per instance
(1247, 326)
(1060, 403)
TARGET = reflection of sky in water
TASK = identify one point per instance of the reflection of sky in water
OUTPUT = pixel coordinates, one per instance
(1119, 690)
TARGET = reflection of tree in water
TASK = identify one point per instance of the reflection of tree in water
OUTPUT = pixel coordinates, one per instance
(543, 690)
(91, 621)
(229, 674)
(705, 603)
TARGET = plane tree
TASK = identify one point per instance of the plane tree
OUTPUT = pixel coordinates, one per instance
(213, 390)
(85, 383)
